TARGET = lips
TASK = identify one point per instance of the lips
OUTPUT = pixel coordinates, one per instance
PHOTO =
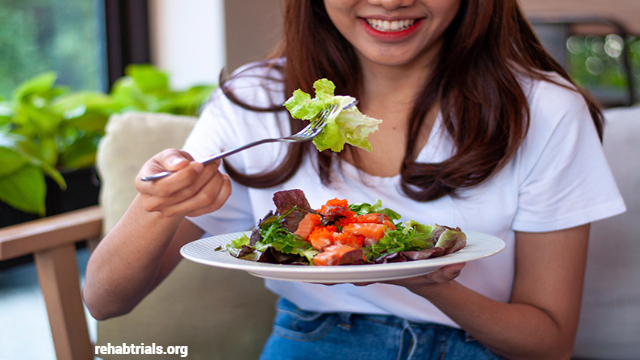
(388, 26)
(390, 29)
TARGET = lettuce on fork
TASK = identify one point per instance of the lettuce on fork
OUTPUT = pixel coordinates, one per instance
(344, 126)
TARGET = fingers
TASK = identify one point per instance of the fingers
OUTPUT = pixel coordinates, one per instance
(192, 189)
(443, 275)
(452, 271)
(210, 198)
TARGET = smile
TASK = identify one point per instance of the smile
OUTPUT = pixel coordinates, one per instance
(390, 26)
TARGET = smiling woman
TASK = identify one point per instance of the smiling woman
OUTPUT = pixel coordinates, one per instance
(481, 129)
(395, 32)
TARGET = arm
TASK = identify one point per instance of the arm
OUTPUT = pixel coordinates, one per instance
(143, 247)
(540, 321)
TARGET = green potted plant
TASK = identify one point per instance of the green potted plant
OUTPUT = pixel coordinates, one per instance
(48, 132)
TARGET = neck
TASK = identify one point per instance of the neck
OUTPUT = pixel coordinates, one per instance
(395, 86)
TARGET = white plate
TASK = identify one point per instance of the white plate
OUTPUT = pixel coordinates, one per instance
(203, 251)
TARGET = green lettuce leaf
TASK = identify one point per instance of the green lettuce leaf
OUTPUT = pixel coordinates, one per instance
(344, 126)
(366, 208)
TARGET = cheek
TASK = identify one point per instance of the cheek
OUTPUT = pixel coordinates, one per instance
(341, 16)
(445, 8)
(335, 6)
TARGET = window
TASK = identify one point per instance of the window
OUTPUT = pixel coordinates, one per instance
(88, 43)
(40, 35)
(599, 53)
(600, 64)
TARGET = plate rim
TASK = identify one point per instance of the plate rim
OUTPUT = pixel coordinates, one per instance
(309, 273)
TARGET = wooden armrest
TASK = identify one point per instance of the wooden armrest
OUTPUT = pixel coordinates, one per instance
(50, 232)
(52, 242)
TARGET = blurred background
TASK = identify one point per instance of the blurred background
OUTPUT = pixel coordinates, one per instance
(90, 42)
(89, 46)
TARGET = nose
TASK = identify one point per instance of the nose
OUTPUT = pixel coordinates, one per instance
(392, 4)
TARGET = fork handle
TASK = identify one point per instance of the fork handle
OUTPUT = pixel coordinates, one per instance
(211, 159)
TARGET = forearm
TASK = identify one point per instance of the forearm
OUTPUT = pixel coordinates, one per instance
(124, 267)
(515, 331)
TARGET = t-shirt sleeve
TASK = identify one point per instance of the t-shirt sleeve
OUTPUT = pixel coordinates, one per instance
(565, 180)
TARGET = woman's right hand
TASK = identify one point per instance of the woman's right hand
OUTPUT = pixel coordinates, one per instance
(193, 189)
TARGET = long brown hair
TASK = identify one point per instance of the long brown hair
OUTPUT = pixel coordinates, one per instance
(487, 48)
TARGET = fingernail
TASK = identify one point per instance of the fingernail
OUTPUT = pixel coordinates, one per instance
(176, 161)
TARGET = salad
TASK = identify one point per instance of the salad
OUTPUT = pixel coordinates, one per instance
(344, 126)
(339, 233)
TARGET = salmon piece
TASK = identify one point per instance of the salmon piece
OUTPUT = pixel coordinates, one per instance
(376, 218)
(370, 231)
(334, 207)
(307, 224)
(331, 255)
(369, 218)
(349, 239)
(321, 237)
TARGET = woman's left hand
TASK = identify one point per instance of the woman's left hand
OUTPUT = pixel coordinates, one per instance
(443, 275)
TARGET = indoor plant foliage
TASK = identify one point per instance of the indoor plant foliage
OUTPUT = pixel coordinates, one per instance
(46, 128)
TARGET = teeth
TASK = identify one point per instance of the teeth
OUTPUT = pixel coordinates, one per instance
(383, 25)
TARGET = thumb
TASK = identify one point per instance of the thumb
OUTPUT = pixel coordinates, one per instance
(176, 163)
(174, 160)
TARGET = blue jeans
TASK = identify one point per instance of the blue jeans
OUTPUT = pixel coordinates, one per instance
(299, 334)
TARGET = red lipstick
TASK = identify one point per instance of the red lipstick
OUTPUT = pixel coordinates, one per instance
(390, 35)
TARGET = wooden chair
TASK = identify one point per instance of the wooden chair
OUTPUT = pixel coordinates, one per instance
(52, 242)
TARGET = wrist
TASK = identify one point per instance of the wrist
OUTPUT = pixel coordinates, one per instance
(431, 291)
(153, 217)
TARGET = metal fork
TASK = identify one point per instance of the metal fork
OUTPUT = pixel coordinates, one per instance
(309, 132)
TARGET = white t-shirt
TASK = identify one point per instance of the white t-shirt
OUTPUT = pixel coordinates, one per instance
(558, 179)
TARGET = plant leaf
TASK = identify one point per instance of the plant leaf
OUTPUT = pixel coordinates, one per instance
(11, 158)
(25, 190)
(89, 120)
(148, 78)
(81, 153)
(42, 83)
(54, 174)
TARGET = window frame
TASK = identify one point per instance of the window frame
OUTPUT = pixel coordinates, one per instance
(127, 36)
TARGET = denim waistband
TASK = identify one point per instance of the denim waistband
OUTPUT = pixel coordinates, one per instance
(346, 317)
(302, 334)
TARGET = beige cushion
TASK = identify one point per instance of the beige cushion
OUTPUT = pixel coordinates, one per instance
(610, 319)
(217, 313)
(130, 140)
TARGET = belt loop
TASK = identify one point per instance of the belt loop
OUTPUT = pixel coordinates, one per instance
(409, 344)
(345, 320)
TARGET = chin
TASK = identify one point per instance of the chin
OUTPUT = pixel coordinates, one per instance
(390, 60)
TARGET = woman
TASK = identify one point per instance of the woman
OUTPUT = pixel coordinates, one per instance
(494, 138)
